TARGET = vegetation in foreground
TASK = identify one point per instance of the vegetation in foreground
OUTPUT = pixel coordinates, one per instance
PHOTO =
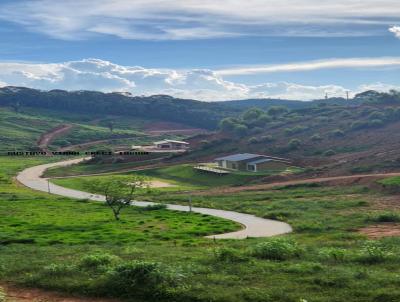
(325, 259)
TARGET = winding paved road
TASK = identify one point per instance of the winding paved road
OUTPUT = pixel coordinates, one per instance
(253, 226)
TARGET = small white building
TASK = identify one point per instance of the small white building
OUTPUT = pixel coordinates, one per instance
(171, 145)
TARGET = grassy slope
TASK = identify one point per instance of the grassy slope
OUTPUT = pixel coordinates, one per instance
(336, 139)
(22, 130)
(183, 176)
(19, 130)
(324, 219)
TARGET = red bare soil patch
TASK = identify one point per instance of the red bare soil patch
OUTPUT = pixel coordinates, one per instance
(47, 137)
(17, 294)
(381, 230)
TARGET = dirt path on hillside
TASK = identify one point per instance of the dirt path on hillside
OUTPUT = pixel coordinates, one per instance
(19, 294)
(92, 143)
(334, 179)
(46, 138)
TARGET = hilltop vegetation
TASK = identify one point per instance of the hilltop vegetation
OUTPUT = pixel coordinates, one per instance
(362, 136)
(161, 107)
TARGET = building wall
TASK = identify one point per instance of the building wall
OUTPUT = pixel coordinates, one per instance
(271, 165)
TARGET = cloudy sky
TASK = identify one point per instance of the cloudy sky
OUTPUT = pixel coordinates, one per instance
(207, 50)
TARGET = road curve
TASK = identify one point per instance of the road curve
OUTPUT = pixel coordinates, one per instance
(252, 226)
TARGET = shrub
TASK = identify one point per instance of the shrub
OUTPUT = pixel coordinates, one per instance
(154, 207)
(329, 153)
(278, 215)
(267, 138)
(2, 295)
(225, 254)
(372, 253)
(385, 217)
(277, 249)
(358, 125)
(338, 133)
(253, 140)
(376, 115)
(142, 279)
(97, 261)
(316, 137)
(375, 123)
(332, 253)
(257, 130)
(294, 144)
(240, 130)
(297, 129)
(57, 270)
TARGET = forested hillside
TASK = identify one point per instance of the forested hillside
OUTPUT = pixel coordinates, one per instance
(161, 107)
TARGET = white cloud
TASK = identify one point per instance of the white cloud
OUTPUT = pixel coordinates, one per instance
(395, 30)
(393, 62)
(201, 84)
(195, 19)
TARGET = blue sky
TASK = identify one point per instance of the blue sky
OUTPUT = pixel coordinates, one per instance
(207, 50)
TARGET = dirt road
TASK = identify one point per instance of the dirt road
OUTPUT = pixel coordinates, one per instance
(20, 294)
(47, 137)
(253, 226)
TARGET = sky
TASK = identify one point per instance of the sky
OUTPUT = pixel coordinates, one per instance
(207, 50)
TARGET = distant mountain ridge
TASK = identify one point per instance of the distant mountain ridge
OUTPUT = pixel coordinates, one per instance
(164, 107)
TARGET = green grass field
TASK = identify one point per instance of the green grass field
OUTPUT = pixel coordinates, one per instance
(75, 247)
(184, 177)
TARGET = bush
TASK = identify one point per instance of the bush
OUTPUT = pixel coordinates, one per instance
(338, 133)
(253, 140)
(329, 153)
(267, 138)
(297, 129)
(332, 253)
(375, 123)
(142, 279)
(97, 261)
(358, 125)
(240, 130)
(372, 253)
(154, 207)
(55, 270)
(385, 217)
(294, 144)
(376, 115)
(278, 215)
(277, 249)
(316, 137)
(225, 254)
(2, 295)
(257, 130)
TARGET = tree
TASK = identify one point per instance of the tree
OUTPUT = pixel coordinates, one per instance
(111, 126)
(276, 111)
(16, 106)
(119, 191)
(294, 144)
(228, 124)
(252, 114)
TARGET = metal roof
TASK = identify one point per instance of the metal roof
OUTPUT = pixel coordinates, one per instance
(170, 141)
(240, 156)
(260, 161)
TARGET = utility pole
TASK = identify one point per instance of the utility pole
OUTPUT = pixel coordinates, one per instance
(347, 95)
(190, 203)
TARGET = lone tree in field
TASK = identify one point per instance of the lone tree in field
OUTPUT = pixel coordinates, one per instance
(119, 191)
